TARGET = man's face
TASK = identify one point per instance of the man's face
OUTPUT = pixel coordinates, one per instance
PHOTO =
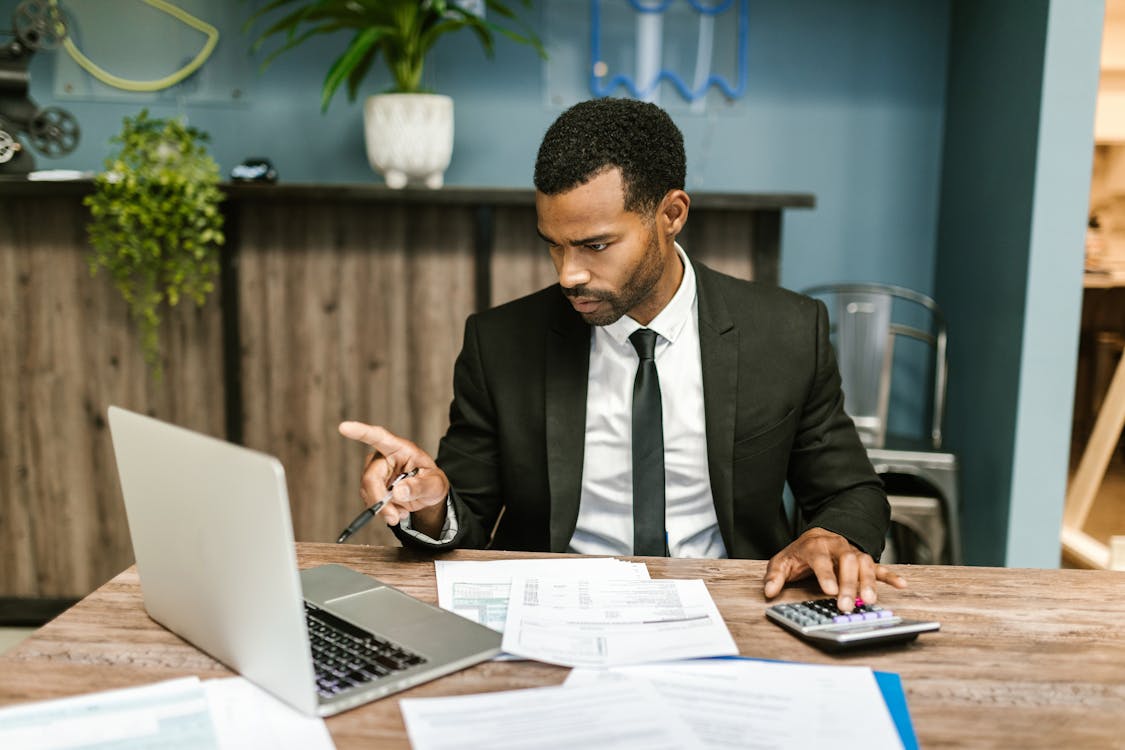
(611, 262)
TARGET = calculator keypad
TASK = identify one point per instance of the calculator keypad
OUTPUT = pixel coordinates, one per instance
(823, 614)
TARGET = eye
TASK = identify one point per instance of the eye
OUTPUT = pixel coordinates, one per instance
(597, 247)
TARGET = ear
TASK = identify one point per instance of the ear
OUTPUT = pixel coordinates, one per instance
(673, 212)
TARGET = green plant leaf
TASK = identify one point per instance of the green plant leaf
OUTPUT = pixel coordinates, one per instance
(431, 35)
(264, 11)
(323, 20)
(359, 72)
(409, 30)
(353, 56)
(327, 28)
(491, 6)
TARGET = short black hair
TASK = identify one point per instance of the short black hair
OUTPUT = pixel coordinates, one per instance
(639, 138)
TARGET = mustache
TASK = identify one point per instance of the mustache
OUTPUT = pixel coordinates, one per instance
(586, 293)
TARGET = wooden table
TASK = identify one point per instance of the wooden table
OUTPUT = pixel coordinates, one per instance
(1025, 658)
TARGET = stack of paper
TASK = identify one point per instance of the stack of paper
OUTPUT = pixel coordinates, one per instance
(742, 703)
(597, 623)
(717, 704)
(478, 590)
(621, 631)
(585, 611)
(548, 718)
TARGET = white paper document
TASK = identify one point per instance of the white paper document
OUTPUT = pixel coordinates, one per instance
(599, 623)
(246, 716)
(181, 714)
(172, 714)
(478, 590)
(753, 705)
(548, 718)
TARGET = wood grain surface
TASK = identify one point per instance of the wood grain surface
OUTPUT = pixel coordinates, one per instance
(348, 314)
(68, 351)
(1024, 659)
(351, 304)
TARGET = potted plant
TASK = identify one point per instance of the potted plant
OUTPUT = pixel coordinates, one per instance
(409, 132)
(155, 223)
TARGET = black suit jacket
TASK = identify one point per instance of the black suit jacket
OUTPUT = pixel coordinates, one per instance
(772, 402)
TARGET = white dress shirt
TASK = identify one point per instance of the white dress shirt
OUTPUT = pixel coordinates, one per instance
(605, 512)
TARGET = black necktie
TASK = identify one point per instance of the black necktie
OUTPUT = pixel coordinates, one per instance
(648, 451)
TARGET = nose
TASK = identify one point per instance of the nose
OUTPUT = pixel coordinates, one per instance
(572, 272)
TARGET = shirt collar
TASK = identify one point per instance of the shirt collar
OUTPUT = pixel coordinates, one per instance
(670, 321)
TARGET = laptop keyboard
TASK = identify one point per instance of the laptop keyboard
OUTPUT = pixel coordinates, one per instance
(345, 656)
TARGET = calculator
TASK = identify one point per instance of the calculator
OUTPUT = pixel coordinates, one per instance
(819, 622)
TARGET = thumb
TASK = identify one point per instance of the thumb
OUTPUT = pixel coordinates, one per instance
(777, 573)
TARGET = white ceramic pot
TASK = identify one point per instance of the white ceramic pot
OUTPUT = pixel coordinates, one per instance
(409, 137)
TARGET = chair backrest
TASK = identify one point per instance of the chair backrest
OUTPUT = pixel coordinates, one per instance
(866, 320)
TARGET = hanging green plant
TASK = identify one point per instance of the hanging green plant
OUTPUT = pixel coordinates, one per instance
(155, 222)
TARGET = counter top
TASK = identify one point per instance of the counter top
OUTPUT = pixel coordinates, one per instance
(377, 192)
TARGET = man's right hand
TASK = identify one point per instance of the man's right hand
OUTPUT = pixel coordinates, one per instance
(422, 495)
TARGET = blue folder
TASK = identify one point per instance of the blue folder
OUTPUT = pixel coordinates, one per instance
(890, 685)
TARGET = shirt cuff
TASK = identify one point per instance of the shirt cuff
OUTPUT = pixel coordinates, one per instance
(448, 530)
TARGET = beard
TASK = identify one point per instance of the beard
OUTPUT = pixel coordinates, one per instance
(642, 279)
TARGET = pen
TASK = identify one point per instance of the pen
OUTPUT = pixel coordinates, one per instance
(369, 513)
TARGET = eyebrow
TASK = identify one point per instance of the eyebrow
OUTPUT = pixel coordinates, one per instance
(596, 239)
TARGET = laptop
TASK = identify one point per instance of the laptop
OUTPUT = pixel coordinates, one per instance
(213, 541)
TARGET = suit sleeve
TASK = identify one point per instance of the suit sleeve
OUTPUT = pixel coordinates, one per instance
(469, 453)
(829, 471)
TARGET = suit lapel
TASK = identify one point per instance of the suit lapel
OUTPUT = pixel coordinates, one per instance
(718, 348)
(568, 365)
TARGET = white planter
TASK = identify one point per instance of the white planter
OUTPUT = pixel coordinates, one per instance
(409, 137)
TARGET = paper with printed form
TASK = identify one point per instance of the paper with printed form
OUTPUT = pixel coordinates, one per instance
(181, 714)
(548, 718)
(756, 705)
(478, 590)
(599, 623)
(172, 714)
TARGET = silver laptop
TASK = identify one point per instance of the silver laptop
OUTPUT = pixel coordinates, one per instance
(214, 546)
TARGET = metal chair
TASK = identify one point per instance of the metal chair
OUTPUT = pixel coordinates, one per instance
(867, 322)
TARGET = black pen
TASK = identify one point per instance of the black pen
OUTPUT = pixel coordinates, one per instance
(369, 513)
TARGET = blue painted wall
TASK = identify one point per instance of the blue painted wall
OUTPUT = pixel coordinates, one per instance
(987, 192)
(1019, 145)
(845, 100)
(1054, 284)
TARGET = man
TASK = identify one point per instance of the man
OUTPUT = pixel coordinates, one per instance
(646, 404)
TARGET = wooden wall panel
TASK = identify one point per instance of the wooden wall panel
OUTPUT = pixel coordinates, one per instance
(520, 261)
(69, 352)
(348, 304)
(724, 240)
(17, 555)
(442, 286)
(348, 311)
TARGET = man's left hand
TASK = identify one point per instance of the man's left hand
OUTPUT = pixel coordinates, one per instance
(841, 569)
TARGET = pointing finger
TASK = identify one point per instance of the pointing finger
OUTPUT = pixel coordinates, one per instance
(380, 439)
